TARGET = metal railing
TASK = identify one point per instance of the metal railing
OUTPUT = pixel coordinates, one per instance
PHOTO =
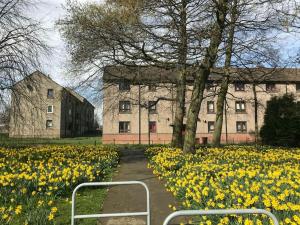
(220, 212)
(105, 215)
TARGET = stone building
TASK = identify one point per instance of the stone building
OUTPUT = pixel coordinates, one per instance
(138, 106)
(41, 108)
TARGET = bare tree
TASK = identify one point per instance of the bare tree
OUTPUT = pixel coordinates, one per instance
(165, 34)
(220, 12)
(250, 42)
(21, 44)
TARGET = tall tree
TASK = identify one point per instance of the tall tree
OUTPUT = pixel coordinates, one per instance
(225, 81)
(21, 43)
(164, 34)
(254, 28)
(177, 137)
(202, 74)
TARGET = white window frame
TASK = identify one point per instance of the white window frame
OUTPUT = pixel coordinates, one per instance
(123, 131)
(243, 125)
(124, 106)
(49, 127)
(52, 107)
(240, 107)
(210, 110)
(209, 124)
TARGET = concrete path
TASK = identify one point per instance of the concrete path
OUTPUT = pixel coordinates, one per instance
(133, 198)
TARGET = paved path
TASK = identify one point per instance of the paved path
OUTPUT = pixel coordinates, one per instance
(133, 198)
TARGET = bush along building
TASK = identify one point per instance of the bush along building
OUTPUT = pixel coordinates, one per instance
(138, 104)
(41, 108)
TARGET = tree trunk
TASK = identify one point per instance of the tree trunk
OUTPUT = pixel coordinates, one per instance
(196, 100)
(224, 85)
(202, 76)
(219, 113)
(177, 137)
(255, 112)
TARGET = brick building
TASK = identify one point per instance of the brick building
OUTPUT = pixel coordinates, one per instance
(129, 92)
(41, 108)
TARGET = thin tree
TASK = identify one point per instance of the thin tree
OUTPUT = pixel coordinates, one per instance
(225, 81)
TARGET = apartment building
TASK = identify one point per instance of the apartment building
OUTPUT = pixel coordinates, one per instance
(138, 106)
(41, 108)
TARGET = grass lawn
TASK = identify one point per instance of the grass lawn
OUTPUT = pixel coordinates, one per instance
(19, 142)
(89, 201)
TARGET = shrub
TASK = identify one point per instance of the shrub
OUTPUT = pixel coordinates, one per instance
(282, 122)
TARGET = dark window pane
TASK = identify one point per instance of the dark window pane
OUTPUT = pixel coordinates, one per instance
(152, 106)
(124, 127)
(49, 123)
(50, 93)
(124, 106)
(270, 87)
(152, 126)
(240, 106)
(50, 109)
(124, 86)
(210, 87)
(241, 127)
(239, 86)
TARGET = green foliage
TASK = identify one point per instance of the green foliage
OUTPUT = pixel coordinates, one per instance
(282, 122)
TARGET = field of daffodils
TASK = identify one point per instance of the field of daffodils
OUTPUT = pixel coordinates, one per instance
(32, 179)
(230, 178)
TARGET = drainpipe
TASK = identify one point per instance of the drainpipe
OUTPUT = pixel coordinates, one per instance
(149, 124)
(139, 114)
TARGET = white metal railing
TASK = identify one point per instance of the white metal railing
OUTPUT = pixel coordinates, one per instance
(220, 212)
(105, 215)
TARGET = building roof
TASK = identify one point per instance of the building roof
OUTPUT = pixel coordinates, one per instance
(151, 74)
(69, 90)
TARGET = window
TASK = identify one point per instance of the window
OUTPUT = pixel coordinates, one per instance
(124, 106)
(240, 106)
(124, 85)
(50, 109)
(50, 93)
(29, 87)
(298, 87)
(241, 127)
(124, 127)
(210, 107)
(239, 87)
(152, 106)
(152, 87)
(70, 112)
(270, 87)
(49, 124)
(152, 126)
(210, 87)
(211, 126)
